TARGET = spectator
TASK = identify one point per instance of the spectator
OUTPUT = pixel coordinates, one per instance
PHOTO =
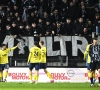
(45, 16)
(72, 12)
(57, 29)
(48, 28)
(64, 14)
(15, 9)
(16, 16)
(83, 13)
(21, 30)
(79, 26)
(97, 23)
(8, 11)
(14, 29)
(90, 28)
(42, 6)
(25, 15)
(64, 4)
(28, 31)
(96, 10)
(85, 32)
(30, 4)
(8, 30)
(53, 5)
(55, 17)
(36, 14)
(68, 27)
(18, 21)
(31, 18)
(8, 21)
(34, 29)
(40, 27)
(12, 16)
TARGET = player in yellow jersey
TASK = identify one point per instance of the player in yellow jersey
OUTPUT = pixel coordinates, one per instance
(43, 60)
(1, 68)
(33, 61)
(88, 61)
(4, 59)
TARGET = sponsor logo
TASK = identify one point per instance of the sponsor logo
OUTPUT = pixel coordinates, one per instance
(70, 73)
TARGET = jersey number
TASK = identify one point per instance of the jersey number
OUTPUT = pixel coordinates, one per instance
(35, 54)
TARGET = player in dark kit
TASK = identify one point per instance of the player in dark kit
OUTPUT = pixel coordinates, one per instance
(94, 52)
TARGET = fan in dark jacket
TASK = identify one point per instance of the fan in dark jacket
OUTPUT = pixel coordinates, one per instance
(57, 29)
(79, 27)
(68, 27)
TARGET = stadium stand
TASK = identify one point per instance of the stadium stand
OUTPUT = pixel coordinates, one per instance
(41, 17)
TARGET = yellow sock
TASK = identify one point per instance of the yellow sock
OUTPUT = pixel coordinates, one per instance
(49, 75)
(5, 74)
(30, 77)
(36, 78)
(89, 73)
(94, 75)
(0, 75)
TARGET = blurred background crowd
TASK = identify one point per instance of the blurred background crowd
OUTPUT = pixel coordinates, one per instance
(49, 17)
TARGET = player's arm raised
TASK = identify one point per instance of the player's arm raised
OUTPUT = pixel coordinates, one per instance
(13, 48)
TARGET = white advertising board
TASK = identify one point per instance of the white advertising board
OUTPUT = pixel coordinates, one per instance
(58, 74)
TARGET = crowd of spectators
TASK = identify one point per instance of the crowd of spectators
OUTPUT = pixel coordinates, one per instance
(49, 17)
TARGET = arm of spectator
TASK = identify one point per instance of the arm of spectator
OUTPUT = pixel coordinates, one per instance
(14, 36)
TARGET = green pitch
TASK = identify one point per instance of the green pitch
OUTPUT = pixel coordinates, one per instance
(47, 86)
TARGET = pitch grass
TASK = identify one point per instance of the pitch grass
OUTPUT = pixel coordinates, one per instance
(47, 86)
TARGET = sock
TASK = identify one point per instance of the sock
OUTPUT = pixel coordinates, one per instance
(99, 79)
(49, 75)
(91, 79)
(30, 77)
(94, 75)
(0, 75)
(89, 73)
(5, 74)
(36, 78)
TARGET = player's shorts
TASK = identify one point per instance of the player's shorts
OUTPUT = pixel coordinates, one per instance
(43, 66)
(34, 65)
(95, 65)
(88, 66)
(6, 66)
(2, 67)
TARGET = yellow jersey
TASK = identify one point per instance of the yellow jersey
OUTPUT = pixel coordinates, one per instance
(4, 55)
(86, 54)
(43, 55)
(34, 56)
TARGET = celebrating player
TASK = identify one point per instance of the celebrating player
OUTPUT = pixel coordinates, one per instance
(4, 59)
(94, 53)
(33, 61)
(43, 60)
(88, 60)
